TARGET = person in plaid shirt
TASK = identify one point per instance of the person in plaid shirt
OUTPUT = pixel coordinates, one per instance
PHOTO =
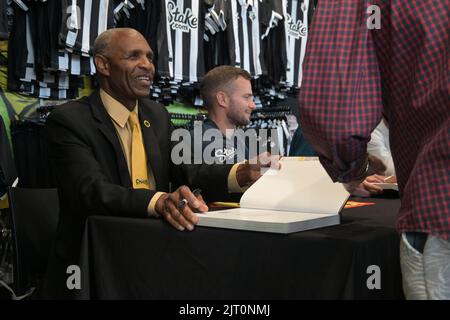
(355, 70)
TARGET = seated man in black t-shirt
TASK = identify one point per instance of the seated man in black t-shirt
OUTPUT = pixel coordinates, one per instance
(228, 97)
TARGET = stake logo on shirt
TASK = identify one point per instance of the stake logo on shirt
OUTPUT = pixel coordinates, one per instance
(296, 29)
(226, 153)
(181, 21)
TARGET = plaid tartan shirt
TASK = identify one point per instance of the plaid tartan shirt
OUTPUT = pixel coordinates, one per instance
(353, 74)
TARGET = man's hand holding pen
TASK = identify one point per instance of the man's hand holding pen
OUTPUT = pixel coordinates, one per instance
(179, 206)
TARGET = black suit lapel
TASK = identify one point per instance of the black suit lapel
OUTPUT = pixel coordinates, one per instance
(106, 126)
(154, 158)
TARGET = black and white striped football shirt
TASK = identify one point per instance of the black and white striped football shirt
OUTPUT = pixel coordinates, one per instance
(240, 19)
(180, 40)
(297, 15)
(83, 21)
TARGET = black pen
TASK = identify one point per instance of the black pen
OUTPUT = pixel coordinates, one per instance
(184, 201)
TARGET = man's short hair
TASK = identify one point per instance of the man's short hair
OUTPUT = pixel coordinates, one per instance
(218, 79)
(102, 42)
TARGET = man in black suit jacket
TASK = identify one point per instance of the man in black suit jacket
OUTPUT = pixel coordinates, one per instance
(89, 148)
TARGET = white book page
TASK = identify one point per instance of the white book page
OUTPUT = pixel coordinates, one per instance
(264, 216)
(299, 186)
(266, 220)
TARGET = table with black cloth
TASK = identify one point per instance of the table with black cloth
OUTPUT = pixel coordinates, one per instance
(124, 258)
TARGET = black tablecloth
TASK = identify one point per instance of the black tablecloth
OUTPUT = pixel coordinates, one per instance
(126, 258)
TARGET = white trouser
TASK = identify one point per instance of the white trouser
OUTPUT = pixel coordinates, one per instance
(426, 275)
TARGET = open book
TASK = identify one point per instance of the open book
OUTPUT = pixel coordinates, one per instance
(300, 196)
